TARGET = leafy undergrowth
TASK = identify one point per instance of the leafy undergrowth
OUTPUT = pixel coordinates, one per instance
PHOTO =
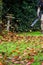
(21, 50)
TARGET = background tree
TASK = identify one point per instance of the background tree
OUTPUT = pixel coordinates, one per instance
(24, 12)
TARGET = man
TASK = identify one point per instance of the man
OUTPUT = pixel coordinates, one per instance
(40, 13)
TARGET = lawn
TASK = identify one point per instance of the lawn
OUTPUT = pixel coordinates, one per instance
(21, 49)
(36, 33)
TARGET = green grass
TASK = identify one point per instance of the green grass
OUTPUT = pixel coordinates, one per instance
(8, 47)
(37, 33)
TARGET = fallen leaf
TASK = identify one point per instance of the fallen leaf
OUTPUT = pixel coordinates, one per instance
(28, 63)
(1, 63)
(42, 63)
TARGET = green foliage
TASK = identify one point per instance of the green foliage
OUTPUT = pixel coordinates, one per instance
(0, 8)
(25, 12)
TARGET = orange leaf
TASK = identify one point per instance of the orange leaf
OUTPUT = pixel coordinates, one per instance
(1, 63)
(13, 50)
(15, 57)
(32, 59)
(42, 63)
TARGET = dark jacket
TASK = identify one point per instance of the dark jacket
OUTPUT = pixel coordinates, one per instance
(40, 4)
